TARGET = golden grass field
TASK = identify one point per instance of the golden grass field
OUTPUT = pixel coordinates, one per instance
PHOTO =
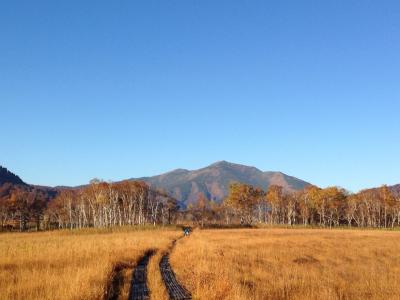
(212, 264)
(72, 265)
(289, 264)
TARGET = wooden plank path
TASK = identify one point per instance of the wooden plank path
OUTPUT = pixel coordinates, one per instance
(139, 289)
(175, 290)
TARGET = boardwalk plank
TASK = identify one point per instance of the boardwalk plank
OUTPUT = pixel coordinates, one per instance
(139, 289)
(175, 290)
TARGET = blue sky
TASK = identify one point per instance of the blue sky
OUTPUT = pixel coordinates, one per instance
(120, 89)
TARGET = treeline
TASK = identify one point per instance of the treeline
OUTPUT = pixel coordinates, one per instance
(99, 204)
(22, 206)
(314, 206)
(102, 204)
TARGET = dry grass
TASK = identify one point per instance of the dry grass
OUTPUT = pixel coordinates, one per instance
(289, 264)
(71, 265)
(154, 279)
(212, 264)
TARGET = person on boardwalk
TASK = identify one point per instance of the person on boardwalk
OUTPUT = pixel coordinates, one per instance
(186, 231)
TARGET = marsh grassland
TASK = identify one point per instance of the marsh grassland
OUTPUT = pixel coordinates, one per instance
(267, 263)
(289, 264)
(73, 265)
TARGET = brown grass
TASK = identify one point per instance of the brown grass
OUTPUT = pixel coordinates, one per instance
(154, 279)
(212, 264)
(72, 265)
(289, 264)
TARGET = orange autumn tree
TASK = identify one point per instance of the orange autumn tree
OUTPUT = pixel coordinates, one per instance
(243, 198)
(202, 205)
(275, 200)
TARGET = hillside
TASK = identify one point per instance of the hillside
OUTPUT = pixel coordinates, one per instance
(214, 180)
(9, 177)
(395, 189)
(9, 182)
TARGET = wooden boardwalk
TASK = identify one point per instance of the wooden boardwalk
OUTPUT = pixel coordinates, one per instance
(175, 290)
(139, 289)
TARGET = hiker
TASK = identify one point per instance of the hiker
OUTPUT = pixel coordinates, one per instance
(186, 231)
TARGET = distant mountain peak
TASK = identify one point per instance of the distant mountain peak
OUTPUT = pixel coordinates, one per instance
(214, 180)
(224, 163)
(220, 163)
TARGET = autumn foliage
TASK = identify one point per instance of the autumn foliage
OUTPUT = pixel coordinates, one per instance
(102, 204)
(327, 207)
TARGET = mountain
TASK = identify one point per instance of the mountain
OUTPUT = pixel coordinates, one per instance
(376, 191)
(184, 185)
(214, 181)
(9, 182)
(395, 189)
(8, 177)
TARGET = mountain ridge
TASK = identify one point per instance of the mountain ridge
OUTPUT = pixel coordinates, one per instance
(7, 176)
(185, 185)
(214, 180)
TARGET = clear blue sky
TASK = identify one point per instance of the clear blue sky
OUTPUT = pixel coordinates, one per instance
(119, 89)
